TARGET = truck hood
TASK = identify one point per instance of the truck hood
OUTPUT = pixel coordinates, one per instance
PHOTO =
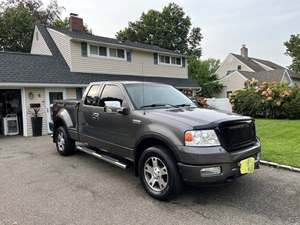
(196, 117)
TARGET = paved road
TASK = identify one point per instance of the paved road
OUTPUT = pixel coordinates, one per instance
(37, 186)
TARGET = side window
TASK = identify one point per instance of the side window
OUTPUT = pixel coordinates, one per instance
(112, 96)
(92, 96)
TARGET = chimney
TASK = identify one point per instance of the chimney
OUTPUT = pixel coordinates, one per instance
(244, 51)
(75, 23)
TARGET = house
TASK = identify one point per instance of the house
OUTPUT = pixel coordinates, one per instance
(63, 62)
(236, 69)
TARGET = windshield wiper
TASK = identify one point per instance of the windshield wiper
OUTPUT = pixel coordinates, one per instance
(182, 105)
(155, 105)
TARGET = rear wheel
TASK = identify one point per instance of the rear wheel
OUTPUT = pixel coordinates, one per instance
(64, 144)
(159, 174)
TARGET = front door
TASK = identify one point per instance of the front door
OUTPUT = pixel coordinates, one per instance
(51, 96)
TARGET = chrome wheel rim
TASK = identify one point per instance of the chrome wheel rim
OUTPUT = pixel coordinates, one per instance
(156, 174)
(60, 141)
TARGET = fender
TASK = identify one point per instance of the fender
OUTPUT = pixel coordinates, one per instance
(172, 146)
(65, 117)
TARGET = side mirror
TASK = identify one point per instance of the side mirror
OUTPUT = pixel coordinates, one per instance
(124, 111)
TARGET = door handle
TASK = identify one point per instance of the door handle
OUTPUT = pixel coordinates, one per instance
(95, 116)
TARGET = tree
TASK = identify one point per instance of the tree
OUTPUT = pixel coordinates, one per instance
(17, 20)
(170, 29)
(204, 72)
(293, 50)
(16, 28)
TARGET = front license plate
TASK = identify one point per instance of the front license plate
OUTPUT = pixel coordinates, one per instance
(247, 165)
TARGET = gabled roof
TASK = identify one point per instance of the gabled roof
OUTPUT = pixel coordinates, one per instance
(83, 36)
(27, 69)
(294, 75)
(32, 69)
(250, 62)
(265, 76)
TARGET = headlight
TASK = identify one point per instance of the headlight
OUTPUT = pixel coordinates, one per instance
(201, 138)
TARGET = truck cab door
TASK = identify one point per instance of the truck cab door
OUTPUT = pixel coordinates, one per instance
(88, 115)
(117, 131)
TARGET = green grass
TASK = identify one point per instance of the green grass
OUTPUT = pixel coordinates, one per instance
(280, 140)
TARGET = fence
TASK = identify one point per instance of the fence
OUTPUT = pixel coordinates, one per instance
(220, 104)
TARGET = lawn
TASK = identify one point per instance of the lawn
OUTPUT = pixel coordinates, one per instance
(280, 140)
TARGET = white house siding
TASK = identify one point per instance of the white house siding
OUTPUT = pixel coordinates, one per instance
(39, 45)
(232, 82)
(231, 63)
(38, 97)
(142, 63)
(71, 93)
(62, 41)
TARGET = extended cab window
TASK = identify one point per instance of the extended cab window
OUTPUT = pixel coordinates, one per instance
(112, 96)
(92, 96)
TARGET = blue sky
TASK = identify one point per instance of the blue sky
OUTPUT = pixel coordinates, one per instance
(263, 25)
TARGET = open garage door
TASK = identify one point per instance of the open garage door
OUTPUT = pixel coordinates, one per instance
(11, 122)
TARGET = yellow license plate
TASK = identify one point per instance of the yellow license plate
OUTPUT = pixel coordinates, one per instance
(247, 165)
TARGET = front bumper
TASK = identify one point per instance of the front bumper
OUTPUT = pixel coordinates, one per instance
(214, 157)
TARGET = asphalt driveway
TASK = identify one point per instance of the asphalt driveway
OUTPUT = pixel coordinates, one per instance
(37, 186)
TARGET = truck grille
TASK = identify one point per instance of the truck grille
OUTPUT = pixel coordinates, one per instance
(236, 135)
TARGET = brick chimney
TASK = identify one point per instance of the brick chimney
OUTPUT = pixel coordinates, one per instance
(76, 23)
(244, 51)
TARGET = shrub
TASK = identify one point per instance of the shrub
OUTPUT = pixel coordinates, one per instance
(268, 100)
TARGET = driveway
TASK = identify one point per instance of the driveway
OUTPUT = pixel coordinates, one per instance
(37, 186)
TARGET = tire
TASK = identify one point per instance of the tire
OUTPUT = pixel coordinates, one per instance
(162, 181)
(64, 144)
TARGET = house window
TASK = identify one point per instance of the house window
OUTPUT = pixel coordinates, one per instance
(239, 67)
(78, 93)
(228, 93)
(37, 36)
(117, 53)
(102, 51)
(171, 60)
(93, 50)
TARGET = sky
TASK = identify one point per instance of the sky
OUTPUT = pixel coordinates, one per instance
(262, 25)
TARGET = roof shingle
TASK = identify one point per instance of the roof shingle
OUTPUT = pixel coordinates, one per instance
(43, 69)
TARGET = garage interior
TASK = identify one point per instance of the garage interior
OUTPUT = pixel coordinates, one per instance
(10, 112)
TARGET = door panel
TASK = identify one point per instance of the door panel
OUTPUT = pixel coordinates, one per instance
(87, 127)
(115, 129)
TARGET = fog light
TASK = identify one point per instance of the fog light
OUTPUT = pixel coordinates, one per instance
(210, 171)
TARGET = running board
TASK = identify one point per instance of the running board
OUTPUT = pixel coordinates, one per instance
(105, 158)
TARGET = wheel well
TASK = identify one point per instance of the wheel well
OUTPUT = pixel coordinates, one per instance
(147, 143)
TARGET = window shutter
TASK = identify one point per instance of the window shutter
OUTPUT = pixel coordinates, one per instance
(155, 58)
(128, 55)
(183, 61)
(84, 49)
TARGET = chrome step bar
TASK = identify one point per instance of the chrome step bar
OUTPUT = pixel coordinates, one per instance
(105, 158)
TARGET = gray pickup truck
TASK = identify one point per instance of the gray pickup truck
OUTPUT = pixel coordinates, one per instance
(156, 129)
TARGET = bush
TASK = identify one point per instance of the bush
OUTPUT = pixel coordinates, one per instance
(268, 100)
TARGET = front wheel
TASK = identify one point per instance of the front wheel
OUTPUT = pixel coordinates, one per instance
(64, 144)
(158, 173)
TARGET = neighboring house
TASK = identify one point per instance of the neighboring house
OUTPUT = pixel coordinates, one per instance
(63, 62)
(236, 69)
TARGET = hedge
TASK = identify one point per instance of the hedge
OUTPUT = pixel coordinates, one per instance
(268, 100)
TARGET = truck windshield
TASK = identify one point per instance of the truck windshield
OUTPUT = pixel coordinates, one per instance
(151, 95)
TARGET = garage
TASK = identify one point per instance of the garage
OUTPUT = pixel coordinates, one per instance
(11, 122)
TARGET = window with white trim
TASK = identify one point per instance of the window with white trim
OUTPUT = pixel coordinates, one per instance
(117, 53)
(103, 51)
(170, 60)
